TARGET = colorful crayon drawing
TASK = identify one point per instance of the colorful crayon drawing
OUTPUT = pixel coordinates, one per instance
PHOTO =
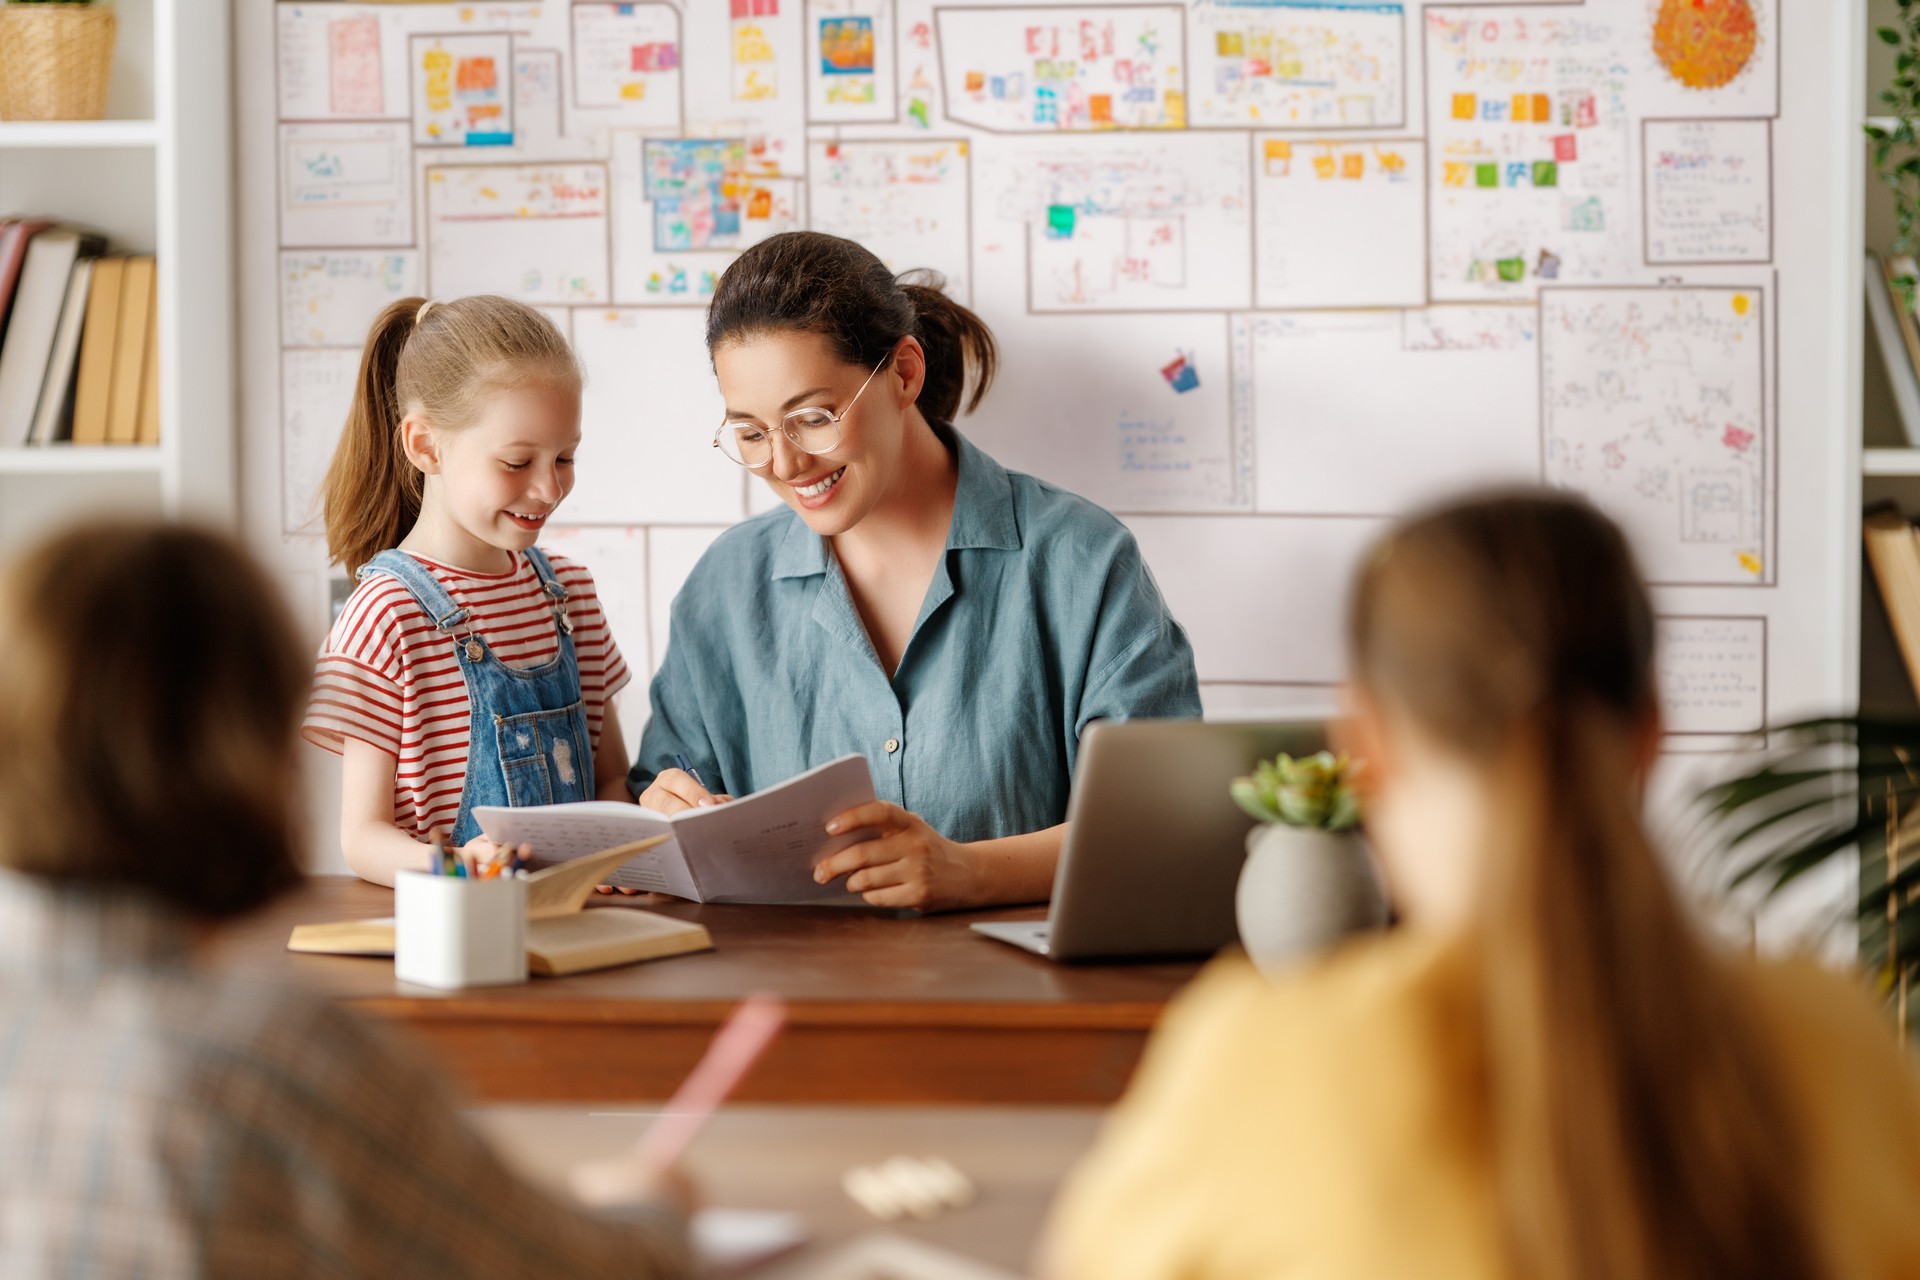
(1298, 63)
(1704, 44)
(846, 46)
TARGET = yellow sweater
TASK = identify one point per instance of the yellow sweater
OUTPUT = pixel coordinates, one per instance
(1330, 1125)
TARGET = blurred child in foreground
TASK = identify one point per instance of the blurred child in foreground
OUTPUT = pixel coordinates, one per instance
(160, 1114)
(1547, 1073)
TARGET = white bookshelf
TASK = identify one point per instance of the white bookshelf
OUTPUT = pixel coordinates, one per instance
(155, 177)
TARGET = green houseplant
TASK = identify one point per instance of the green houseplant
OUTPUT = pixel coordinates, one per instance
(1835, 788)
(1309, 879)
(1896, 150)
(55, 59)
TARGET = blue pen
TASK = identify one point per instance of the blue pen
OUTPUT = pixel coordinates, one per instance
(686, 766)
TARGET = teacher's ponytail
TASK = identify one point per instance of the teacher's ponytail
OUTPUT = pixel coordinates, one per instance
(811, 282)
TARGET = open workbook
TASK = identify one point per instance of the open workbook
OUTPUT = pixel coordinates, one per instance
(561, 937)
(759, 848)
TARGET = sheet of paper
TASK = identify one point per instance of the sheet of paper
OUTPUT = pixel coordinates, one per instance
(1339, 224)
(536, 232)
(1654, 406)
(345, 185)
(1709, 190)
(1298, 64)
(1052, 69)
(462, 90)
(329, 298)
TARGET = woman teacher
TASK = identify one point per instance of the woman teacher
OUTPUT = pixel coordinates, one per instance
(913, 601)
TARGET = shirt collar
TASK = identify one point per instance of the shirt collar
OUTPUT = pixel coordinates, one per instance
(55, 927)
(982, 513)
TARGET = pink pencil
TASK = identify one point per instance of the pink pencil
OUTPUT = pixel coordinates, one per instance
(735, 1048)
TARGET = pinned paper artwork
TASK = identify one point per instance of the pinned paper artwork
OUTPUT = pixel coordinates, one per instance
(1704, 44)
(462, 90)
(1181, 375)
(846, 46)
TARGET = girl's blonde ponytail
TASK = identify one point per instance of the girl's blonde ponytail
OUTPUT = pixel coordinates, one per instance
(372, 492)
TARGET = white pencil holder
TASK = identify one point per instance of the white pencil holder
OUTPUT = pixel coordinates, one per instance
(456, 931)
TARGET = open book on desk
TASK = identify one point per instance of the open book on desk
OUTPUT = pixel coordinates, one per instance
(759, 848)
(561, 938)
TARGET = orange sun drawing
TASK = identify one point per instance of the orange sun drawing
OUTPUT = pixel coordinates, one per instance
(1705, 43)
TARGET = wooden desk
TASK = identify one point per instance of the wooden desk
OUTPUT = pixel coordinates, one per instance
(884, 1008)
(792, 1158)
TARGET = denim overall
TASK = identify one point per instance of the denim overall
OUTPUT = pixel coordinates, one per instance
(527, 739)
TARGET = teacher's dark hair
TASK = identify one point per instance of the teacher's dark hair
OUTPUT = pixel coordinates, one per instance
(810, 282)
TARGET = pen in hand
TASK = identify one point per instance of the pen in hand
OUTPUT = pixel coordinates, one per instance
(686, 767)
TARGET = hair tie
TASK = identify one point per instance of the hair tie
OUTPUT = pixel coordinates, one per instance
(421, 314)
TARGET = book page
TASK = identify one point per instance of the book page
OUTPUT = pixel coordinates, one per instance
(564, 832)
(763, 847)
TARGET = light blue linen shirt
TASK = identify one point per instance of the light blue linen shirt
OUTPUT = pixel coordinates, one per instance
(1041, 617)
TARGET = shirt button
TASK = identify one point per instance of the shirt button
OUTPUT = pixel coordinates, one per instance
(893, 745)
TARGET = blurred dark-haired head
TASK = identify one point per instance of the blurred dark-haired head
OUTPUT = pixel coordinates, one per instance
(149, 717)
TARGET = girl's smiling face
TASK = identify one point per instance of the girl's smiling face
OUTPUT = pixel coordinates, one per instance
(492, 485)
(765, 376)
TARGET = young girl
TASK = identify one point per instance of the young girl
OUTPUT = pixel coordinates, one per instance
(468, 668)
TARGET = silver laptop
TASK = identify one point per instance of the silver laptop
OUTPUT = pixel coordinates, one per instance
(1154, 841)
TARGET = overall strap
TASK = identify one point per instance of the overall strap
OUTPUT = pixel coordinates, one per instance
(447, 615)
(556, 593)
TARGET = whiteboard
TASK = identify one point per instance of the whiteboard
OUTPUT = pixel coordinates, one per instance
(647, 425)
(327, 296)
(538, 233)
(1334, 438)
(1339, 224)
(1125, 221)
(909, 202)
(1255, 365)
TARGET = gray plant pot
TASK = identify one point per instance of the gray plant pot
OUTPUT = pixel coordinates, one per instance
(1302, 890)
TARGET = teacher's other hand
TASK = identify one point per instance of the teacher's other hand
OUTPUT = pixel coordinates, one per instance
(903, 863)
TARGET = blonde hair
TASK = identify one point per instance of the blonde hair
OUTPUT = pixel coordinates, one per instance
(1642, 1124)
(148, 719)
(439, 361)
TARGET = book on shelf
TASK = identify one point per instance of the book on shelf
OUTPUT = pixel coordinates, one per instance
(39, 301)
(79, 350)
(1893, 550)
(54, 417)
(95, 379)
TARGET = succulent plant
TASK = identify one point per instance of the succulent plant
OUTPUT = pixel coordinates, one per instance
(1310, 792)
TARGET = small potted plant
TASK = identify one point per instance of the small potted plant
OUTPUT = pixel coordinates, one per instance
(1309, 878)
(55, 56)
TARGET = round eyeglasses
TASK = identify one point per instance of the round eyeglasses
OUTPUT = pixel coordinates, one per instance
(812, 430)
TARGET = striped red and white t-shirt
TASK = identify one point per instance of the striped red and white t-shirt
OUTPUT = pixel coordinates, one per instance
(388, 677)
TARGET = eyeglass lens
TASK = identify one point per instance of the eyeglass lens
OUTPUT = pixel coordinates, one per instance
(813, 430)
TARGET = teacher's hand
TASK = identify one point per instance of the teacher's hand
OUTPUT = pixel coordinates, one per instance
(675, 790)
(670, 792)
(904, 863)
